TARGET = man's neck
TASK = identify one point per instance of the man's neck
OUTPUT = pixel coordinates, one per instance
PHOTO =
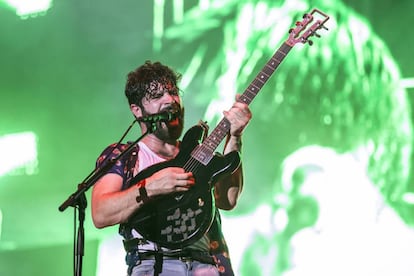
(165, 149)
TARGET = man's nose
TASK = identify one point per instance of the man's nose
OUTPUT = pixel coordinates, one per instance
(169, 97)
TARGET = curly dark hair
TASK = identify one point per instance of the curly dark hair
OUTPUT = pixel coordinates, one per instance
(139, 81)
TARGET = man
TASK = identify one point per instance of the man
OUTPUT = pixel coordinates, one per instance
(152, 88)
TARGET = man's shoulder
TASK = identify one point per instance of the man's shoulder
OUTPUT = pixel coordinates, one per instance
(119, 147)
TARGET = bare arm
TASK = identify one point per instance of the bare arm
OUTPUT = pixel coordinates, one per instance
(228, 189)
(111, 205)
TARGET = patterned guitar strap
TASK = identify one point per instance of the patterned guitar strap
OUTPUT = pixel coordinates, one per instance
(130, 164)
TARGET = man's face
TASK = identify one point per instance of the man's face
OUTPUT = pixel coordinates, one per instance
(164, 97)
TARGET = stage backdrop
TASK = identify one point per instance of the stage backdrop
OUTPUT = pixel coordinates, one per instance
(327, 157)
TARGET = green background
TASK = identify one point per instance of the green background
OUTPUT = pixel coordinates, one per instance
(62, 77)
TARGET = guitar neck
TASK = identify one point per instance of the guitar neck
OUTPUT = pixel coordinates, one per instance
(264, 75)
(205, 152)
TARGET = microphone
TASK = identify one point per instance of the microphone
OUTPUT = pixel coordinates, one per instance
(164, 116)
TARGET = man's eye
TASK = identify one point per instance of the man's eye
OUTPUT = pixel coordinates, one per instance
(157, 95)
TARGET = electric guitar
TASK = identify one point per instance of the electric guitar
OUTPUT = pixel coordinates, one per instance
(178, 220)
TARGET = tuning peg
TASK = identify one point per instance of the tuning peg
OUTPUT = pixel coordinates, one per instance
(316, 34)
(324, 27)
(310, 42)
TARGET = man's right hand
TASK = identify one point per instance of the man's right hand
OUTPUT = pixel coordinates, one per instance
(169, 180)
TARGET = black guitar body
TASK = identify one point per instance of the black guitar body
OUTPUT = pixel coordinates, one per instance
(177, 220)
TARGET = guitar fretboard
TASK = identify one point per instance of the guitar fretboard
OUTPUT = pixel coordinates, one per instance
(204, 153)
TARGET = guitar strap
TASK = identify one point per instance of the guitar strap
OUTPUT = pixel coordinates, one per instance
(130, 164)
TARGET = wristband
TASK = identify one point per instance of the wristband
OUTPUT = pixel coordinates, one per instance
(143, 196)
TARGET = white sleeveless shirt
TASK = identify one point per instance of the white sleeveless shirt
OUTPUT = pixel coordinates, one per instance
(146, 158)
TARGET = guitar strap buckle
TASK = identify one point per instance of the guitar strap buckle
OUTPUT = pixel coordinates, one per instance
(132, 244)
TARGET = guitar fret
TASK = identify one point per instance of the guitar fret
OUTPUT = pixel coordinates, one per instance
(209, 145)
(263, 78)
(279, 57)
(268, 68)
(254, 86)
(264, 75)
(247, 99)
(284, 49)
(258, 83)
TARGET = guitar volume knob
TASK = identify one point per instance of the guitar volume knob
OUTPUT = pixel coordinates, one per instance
(200, 202)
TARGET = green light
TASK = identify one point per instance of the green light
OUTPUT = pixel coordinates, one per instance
(409, 198)
(26, 8)
(158, 23)
(1, 222)
(18, 151)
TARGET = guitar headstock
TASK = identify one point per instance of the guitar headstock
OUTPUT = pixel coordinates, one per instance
(302, 32)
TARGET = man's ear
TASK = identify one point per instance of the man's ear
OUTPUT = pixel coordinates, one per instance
(136, 110)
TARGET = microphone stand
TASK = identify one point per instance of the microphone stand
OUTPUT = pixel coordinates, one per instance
(79, 202)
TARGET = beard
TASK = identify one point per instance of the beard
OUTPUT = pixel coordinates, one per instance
(170, 131)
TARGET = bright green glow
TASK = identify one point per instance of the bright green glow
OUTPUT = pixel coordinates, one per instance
(1, 222)
(158, 23)
(407, 83)
(193, 66)
(18, 151)
(409, 198)
(25, 8)
(178, 11)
